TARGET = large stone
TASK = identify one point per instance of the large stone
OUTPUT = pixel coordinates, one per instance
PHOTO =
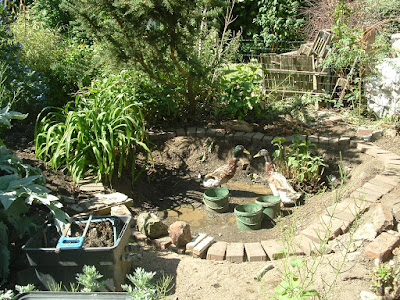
(180, 233)
(382, 89)
(382, 218)
(150, 225)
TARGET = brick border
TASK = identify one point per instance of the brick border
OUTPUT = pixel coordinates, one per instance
(333, 223)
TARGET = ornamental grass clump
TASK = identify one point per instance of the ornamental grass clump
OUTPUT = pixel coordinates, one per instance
(103, 130)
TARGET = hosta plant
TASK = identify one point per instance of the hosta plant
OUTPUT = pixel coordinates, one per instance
(102, 131)
(21, 186)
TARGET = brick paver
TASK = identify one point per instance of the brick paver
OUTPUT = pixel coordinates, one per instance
(382, 246)
(273, 248)
(235, 252)
(384, 189)
(217, 251)
(255, 252)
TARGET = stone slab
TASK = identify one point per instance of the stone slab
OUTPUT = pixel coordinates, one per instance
(334, 141)
(370, 191)
(364, 146)
(267, 139)
(313, 139)
(238, 136)
(323, 140)
(162, 243)
(201, 248)
(362, 195)
(334, 225)
(196, 240)
(210, 132)
(383, 184)
(180, 132)
(201, 132)
(248, 136)
(390, 179)
(235, 252)
(191, 131)
(376, 152)
(355, 141)
(258, 137)
(171, 135)
(255, 252)
(383, 189)
(344, 140)
(346, 216)
(273, 248)
(120, 210)
(217, 251)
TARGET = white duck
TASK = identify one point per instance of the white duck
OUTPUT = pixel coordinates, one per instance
(277, 182)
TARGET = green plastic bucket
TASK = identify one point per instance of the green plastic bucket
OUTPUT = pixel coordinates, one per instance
(271, 205)
(248, 216)
(217, 199)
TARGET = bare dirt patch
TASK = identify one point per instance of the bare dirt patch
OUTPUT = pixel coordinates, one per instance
(172, 183)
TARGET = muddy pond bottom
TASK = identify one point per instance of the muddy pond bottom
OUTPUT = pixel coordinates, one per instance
(222, 226)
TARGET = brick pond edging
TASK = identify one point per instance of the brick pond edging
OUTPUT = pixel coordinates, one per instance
(335, 221)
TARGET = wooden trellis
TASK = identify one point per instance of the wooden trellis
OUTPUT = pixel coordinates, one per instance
(299, 72)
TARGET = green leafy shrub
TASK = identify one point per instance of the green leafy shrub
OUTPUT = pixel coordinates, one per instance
(18, 77)
(292, 286)
(63, 63)
(21, 186)
(281, 22)
(143, 288)
(241, 92)
(89, 279)
(300, 162)
(101, 131)
(385, 279)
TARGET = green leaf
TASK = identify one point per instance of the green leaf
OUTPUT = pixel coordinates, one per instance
(7, 198)
(296, 263)
(4, 263)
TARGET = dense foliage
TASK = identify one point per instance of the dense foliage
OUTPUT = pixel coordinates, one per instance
(24, 88)
(281, 22)
(21, 186)
(101, 131)
(300, 162)
(63, 63)
(160, 38)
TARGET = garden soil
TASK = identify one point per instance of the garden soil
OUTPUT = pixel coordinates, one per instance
(171, 188)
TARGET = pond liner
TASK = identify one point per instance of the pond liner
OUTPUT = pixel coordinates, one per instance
(51, 267)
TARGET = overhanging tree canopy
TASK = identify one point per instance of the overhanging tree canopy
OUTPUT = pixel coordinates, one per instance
(161, 37)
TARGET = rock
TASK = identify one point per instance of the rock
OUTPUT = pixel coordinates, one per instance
(383, 90)
(353, 256)
(150, 225)
(365, 232)
(180, 234)
(366, 295)
(382, 218)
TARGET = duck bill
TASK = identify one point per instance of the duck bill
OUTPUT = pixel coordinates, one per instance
(257, 155)
(246, 152)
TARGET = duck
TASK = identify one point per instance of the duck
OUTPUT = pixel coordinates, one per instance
(277, 182)
(225, 173)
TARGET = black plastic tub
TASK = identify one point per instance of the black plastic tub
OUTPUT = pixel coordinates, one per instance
(75, 295)
(52, 267)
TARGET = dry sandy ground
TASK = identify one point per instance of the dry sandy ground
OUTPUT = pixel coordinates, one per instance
(335, 276)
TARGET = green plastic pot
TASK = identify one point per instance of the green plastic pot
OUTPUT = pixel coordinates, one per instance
(217, 199)
(271, 205)
(248, 216)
